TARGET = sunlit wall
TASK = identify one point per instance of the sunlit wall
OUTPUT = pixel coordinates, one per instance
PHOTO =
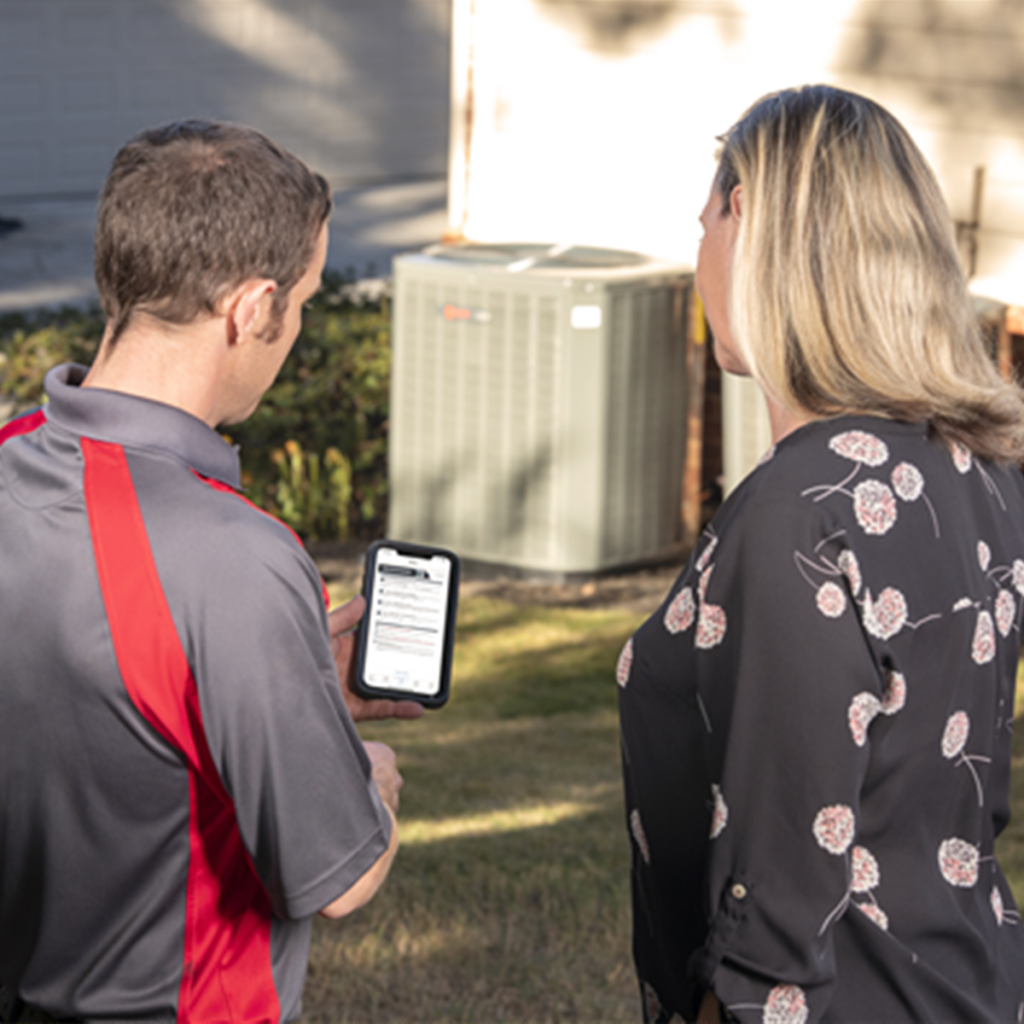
(595, 120)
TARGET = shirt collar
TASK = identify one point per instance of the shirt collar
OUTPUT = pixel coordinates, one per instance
(138, 423)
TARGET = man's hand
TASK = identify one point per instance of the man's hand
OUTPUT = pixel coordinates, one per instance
(341, 622)
(384, 770)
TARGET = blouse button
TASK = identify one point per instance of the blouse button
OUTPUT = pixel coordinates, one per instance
(739, 891)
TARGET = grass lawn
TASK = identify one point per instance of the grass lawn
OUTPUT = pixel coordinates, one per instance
(509, 897)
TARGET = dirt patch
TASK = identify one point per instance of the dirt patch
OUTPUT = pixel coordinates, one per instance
(642, 590)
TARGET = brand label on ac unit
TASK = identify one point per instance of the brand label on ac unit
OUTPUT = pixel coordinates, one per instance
(455, 314)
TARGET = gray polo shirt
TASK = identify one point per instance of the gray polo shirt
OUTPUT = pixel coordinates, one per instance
(181, 786)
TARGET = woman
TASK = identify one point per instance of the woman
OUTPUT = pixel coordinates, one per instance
(816, 724)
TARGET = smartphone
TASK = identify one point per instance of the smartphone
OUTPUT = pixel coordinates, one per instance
(408, 630)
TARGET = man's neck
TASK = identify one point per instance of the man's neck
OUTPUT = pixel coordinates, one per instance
(178, 366)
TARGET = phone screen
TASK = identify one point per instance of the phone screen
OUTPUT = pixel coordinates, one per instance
(407, 626)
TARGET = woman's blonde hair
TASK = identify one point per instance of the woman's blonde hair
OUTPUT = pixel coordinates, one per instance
(847, 292)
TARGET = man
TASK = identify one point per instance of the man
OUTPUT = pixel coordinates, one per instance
(181, 784)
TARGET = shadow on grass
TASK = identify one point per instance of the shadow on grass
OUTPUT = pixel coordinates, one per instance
(514, 661)
(509, 897)
(524, 926)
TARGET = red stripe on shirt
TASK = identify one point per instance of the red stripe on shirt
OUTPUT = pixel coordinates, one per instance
(23, 425)
(226, 973)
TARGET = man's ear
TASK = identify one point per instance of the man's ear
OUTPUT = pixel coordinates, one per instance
(736, 201)
(247, 308)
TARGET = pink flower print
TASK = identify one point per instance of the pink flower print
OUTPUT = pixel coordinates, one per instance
(831, 600)
(864, 870)
(1018, 575)
(720, 815)
(863, 709)
(875, 913)
(984, 555)
(874, 507)
(681, 612)
(1006, 612)
(983, 648)
(711, 626)
(833, 828)
(907, 481)
(637, 828)
(786, 1004)
(705, 555)
(895, 694)
(850, 568)
(958, 862)
(886, 616)
(964, 602)
(625, 663)
(996, 899)
(954, 739)
(961, 457)
(861, 447)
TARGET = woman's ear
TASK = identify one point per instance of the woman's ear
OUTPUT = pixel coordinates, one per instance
(736, 201)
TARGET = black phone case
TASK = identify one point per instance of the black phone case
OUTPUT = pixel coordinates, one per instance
(373, 693)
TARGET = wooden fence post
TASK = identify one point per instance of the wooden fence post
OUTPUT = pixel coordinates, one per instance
(696, 353)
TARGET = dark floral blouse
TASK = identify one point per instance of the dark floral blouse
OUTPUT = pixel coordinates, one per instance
(816, 731)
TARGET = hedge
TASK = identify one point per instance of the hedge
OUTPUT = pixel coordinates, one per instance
(314, 453)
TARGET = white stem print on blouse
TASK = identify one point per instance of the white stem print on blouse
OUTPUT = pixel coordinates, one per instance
(874, 501)
(834, 829)
(965, 462)
(883, 616)
(876, 510)
(954, 740)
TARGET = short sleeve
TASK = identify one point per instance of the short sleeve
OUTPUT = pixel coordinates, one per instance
(248, 605)
(788, 681)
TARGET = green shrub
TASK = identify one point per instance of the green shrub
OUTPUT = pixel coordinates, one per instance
(31, 344)
(313, 503)
(314, 452)
(331, 393)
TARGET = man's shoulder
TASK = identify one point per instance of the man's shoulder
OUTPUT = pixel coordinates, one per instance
(201, 529)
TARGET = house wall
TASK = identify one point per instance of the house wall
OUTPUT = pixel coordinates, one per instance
(357, 88)
(594, 121)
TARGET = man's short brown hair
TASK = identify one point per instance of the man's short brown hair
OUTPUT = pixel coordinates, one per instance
(192, 209)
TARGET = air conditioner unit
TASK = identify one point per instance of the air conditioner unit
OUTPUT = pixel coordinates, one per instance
(538, 405)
